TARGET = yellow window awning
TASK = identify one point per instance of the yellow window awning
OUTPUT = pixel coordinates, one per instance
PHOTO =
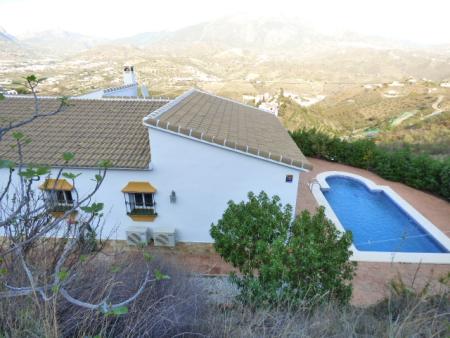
(139, 187)
(54, 184)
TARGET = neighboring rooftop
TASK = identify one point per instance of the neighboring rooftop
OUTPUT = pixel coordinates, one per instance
(130, 87)
(94, 130)
(231, 124)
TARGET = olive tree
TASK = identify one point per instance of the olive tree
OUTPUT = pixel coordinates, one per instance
(282, 259)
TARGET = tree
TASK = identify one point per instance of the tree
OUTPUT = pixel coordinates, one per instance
(281, 259)
(40, 254)
(248, 229)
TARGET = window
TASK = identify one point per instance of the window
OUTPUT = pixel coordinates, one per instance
(59, 200)
(61, 196)
(140, 201)
(148, 199)
(58, 194)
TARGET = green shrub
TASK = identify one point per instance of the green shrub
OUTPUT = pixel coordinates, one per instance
(282, 259)
(418, 171)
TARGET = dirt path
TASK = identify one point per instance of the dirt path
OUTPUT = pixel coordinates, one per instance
(436, 108)
(403, 117)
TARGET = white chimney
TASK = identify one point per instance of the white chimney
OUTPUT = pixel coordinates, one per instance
(128, 75)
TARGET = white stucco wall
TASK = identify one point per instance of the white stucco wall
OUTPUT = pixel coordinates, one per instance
(203, 176)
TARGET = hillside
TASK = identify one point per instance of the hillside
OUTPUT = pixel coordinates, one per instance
(5, 36)
(59, 42)
(240, 56)
(416, 115)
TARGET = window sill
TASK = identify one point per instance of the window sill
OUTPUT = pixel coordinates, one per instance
(58, 214)
(142, 217)
(59, 208)
(143, 211)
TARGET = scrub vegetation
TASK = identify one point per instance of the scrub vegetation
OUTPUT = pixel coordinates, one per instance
(419, 171)
(181, 307)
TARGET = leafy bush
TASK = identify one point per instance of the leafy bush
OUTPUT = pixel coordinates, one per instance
(282, 260)
(418, 171)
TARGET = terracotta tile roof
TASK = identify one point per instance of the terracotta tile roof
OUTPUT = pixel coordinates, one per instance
(93, 130)
(231, 124)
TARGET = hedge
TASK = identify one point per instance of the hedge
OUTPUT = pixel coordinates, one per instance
(418, 171)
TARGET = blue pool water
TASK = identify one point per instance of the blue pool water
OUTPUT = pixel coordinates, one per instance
(377, 223)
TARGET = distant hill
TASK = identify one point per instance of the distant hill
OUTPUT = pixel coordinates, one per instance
(297, 50)
(5, 36)
(60, 42)
(247, 33)
(262, 35)
(276, 47)
(142, 39)
(12, 50)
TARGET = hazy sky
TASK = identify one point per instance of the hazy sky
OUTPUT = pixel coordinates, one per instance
(425, 21)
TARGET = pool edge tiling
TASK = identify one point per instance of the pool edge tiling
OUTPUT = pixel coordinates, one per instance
(378, 256)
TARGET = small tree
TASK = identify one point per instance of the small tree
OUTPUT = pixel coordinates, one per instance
(248, 229)
(281, 259)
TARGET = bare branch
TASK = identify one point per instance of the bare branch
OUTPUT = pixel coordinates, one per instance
(31, 83)
(103, 305)
(7, 186)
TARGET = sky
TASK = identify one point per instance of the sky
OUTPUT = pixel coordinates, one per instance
(410, 20)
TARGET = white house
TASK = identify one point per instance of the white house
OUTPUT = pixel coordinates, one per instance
(129, 88)
(271, 107)
(175, 164)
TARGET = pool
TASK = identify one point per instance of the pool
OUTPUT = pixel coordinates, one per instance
(384, 226)
(376, 222)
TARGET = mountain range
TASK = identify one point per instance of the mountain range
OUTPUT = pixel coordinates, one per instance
(268, 34)
(274, 40)
(5, 36)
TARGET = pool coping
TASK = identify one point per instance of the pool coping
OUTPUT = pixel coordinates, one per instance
(320, 185)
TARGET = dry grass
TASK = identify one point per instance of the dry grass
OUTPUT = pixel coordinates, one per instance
(165, 308)
(180, 307)
(394, 318)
